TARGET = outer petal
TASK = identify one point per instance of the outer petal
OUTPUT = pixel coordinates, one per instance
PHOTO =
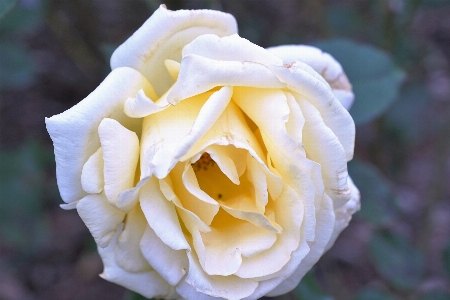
(100, 218)
(344, 213)
(325, 218)
(229, 287)
(127, 251)
(323, 147)
(302, 79)
(74, 132)
(163, 36)
(149, 283)
(323, 63)
(171, 264)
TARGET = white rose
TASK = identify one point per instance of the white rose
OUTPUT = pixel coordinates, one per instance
(206, 166)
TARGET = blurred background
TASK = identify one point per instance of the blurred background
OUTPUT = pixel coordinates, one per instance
(396, 53)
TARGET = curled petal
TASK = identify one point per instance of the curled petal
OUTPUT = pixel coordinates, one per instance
(200, 74)
(303, 80)
(100, 218)
(163, 36)
(142, 106)
(230, 48)
(74, 132)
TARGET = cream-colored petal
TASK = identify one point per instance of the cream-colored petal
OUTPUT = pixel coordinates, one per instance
(120, 154)
(163, 36)
(74, 132)
(163, 133)
(257, 177)
(161, 215)
(305, 178)
(229, 287)
(304, 80)
(325, 220)
(344, 213)
(323, 63)
(224, 162)
(199, 74)
(127, 251)
(142, 106)
(323, 147)
(207, 116)
(229, 129)
(191, 197)
(191, 221)
(149, 284)
(171, 264)
(269, 109)
(187, 291)
(100, 218)
(289, 212)
(296, 120)
(230, 48)
(228, 241)
(173, 67)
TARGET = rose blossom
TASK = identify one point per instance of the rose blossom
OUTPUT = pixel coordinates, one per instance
(206, 166)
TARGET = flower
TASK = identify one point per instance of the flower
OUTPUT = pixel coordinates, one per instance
(206, 166)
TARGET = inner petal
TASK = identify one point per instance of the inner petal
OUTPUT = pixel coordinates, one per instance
(229, 240)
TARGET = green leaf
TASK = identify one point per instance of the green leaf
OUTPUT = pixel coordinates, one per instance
(446, 258)
(17, 68)
(135, 296)
(375, 78)
(374, 294)
(308, 289)
(6, 6)
(396, 260)
(435, 295)
(377, 199)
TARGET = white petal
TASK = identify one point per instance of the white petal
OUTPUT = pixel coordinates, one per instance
(325, 218)
(187, 291)
(161, 215)
(69, 206)
(120, 153)
(74, 132)
(92, 173)
(142, 106)
(229, 287)
(127, 251)
(303, 80)
(100, 218)
(199, 74)
(163, 36)
(323, 147)
(128, 198)
(149, 284)
(171, 264)
(230, 48)
(344, 213)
